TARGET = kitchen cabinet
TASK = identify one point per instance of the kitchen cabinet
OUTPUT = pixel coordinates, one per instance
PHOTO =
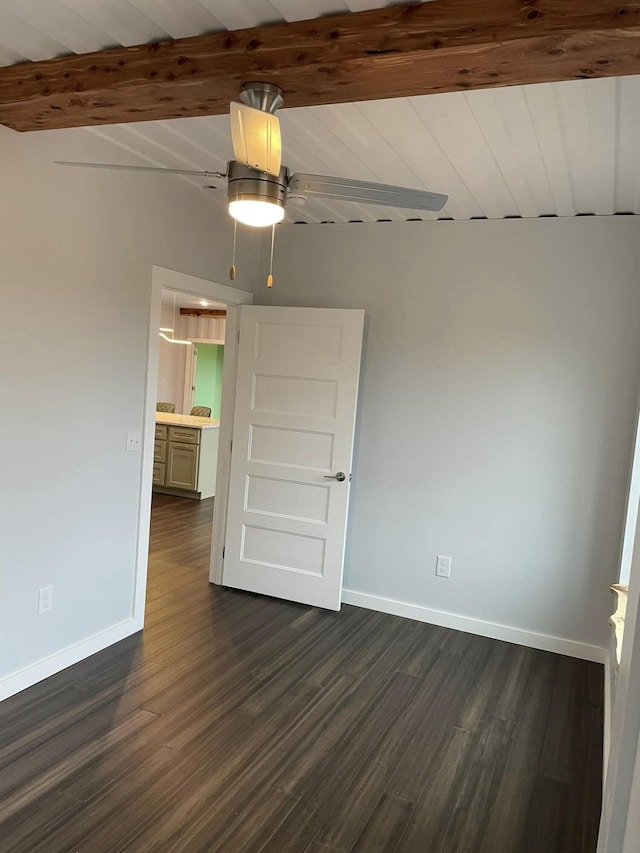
(185, 455)
(182, 466)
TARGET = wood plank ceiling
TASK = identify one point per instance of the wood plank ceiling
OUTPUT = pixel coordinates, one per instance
(553, 149)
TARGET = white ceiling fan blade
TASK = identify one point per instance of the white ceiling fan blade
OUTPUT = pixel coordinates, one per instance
(365, 192)
(191, 172)
(255, 136)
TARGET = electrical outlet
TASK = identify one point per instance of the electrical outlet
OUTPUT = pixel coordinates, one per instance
(134, 441)
(45, 600)
(443, 566)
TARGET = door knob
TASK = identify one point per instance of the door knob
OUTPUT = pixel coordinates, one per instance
(340, 477)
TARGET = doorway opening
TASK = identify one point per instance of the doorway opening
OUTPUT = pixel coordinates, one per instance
(284, 443)
(188, 367)
(190, 363)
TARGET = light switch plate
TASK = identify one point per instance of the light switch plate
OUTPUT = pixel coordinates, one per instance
(134, 441)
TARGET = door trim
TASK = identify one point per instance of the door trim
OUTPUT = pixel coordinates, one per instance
(162, 278)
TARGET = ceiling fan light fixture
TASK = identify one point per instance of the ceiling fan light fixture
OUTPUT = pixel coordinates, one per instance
(256, 198)
(256, 212)
(258, 185)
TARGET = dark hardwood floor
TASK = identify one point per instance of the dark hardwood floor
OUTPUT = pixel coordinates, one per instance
(239, 723)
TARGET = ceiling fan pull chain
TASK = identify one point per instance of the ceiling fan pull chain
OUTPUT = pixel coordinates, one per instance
(270, 276)
(232, 271)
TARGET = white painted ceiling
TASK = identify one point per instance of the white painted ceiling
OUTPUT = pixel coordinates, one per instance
(557, 149)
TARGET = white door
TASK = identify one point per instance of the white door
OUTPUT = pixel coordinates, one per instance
(295, 409)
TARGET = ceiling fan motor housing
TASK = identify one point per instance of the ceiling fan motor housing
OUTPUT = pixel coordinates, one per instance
(246, 184)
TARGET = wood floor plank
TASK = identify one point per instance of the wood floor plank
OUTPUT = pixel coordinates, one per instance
(236, 722)
(379, 693)
(347, 819)
(456, 699)
(431, 814)
(29, 726)
(27, 829)
(477, 784)
(385, 826)
(560, 735)
(545, 825)
(329, 778)
(471, 784)
(429, 642)
(507, 818)
(36, 786)
(205, 797)
(123, 811)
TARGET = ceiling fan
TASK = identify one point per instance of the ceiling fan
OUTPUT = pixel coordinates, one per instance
(258, 185)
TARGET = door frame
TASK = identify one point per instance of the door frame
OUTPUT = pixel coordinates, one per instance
(167, 279)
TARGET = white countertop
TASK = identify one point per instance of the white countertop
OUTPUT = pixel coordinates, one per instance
(186, 421)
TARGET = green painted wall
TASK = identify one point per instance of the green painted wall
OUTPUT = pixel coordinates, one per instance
(209, 377)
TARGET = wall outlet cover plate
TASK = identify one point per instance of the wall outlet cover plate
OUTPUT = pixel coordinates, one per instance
(443, 566)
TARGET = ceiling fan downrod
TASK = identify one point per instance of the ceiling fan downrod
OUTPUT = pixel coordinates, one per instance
(262, 96)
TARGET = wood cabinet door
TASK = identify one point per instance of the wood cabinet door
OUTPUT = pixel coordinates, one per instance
(182, 466)
(160, 451)
(158, 473)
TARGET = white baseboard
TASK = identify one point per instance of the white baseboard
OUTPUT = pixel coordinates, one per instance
(547, 643)
(30, 675)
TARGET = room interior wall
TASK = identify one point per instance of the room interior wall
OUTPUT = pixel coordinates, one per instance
(498, 404)
(75, 279)
(172, 359)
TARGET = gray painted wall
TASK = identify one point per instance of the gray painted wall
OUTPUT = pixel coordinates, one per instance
(499, 394)
(75, 279)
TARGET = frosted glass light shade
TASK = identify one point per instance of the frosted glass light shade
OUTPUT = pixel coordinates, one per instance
(256, 213)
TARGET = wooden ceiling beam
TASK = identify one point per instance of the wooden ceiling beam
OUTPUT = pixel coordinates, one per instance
(443, 46)
(203, 312)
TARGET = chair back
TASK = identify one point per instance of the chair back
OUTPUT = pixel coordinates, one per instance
(201, 412)
(166, 407)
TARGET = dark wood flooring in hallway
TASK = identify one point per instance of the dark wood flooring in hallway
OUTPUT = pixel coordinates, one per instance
(240, 723)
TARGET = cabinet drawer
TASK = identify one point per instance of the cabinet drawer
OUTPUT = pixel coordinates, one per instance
(184, 435)
(158, 473)
(160, 451)
(161, 431)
